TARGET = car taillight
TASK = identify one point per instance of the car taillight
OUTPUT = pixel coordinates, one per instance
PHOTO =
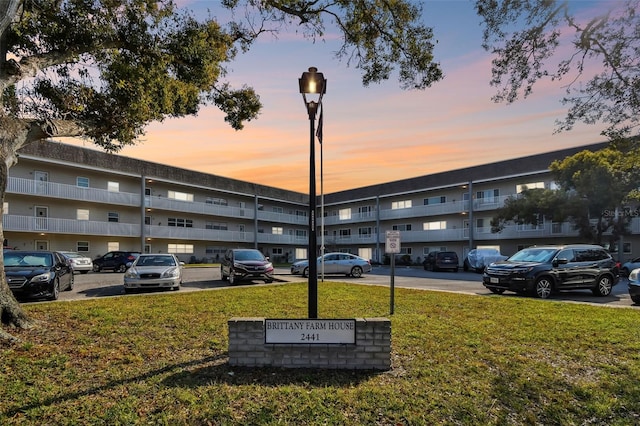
(131, 257)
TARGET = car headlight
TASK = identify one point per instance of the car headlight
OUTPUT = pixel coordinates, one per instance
(171, 273)
(43, 278)
(633, 276)
(131, 273)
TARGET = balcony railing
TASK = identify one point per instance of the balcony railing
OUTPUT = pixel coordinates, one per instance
(71, 192)
(68, 226)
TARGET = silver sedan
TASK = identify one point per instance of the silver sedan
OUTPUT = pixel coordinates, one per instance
(335, 264)
(154, 271)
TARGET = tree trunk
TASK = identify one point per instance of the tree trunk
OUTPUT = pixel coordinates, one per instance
(11, 313)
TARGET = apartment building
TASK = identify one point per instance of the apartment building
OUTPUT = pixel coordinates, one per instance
(64, 197)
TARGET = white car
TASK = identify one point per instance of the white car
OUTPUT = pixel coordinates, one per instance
(153, 271)
(335, 263)
(78, 262)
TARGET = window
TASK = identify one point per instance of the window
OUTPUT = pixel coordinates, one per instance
(432, 226)
(278, 210)
(147, 220)
(113, 246)
(180, 248)
(277, 251)
(301, 233)
(345, 233)
(82, 246)
(364, 232)
(345, 214)
(5, 207)
(277, 230)
(301, 213)
(365, 211)
(82, 214)
(435, 200)
(180, 196)
(82, 182)
(405, 204)
(406, 227)
(113, 186)
(215, 201)
(113, 217)
(180, 222)
(488, 197)
(533, 185)
(220, 226)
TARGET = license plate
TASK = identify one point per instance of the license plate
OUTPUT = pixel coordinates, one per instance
(494, 280)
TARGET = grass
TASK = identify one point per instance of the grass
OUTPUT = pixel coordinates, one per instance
(456, 359)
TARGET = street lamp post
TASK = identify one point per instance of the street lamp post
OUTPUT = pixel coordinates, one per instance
(312, 82)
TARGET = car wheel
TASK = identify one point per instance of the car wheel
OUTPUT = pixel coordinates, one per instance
(624, 272)
(356, 272)
(121, 268)
(305, 272)
(465, 266)
(496, 290)
(55, 290)
(636, 299)
(543, 288)
(268, 281)
(604, 286)
(232, 277)
(224, 277)
(96, 268)
(71, 282)
(176, 288)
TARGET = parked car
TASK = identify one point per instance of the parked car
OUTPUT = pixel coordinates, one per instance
(245, 264)
(153, 271)
(335, 263)
(478, 259)
(37, 274)
(634, 285)
(629, 266)
(78, 262)
(441, 260)
(544, 270)
(115, 261)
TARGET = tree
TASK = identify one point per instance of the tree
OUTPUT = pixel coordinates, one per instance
(602, 66)
(597, 193)
(104, 69)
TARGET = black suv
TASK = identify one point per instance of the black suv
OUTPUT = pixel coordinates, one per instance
(115, 261)
(441, 260)
(544, 270)
(245, 264)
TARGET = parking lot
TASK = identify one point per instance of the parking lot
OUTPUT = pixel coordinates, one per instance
(108, 284)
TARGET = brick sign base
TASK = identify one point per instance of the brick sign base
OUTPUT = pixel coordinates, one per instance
(371, 351)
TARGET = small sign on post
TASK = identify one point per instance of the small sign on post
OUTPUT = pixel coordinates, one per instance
(392, 247)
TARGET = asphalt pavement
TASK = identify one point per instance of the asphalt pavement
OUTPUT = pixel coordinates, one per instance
(109, 284)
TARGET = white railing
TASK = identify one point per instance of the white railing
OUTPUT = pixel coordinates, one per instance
(70, 192)
(68, 226)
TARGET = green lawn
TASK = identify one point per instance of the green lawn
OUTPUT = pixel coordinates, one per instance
(161, 359)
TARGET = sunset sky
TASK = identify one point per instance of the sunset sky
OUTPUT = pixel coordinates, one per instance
(372, 135)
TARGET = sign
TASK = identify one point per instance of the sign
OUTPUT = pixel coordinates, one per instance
(392, 243)
(310, 331)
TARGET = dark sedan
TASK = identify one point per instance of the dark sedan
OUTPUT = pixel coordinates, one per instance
(37, 274)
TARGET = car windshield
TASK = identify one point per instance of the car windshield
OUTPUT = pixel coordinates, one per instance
(28, 259)
(534, 255)
(248, 255)
(156, 261)
(69, 254)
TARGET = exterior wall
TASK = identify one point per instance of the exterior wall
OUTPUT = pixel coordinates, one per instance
(44, 197)
(372, 350)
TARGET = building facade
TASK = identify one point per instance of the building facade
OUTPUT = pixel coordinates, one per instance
(64, 197)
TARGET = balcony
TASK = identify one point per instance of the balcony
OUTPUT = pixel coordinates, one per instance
(17, 223)
(71, 192)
